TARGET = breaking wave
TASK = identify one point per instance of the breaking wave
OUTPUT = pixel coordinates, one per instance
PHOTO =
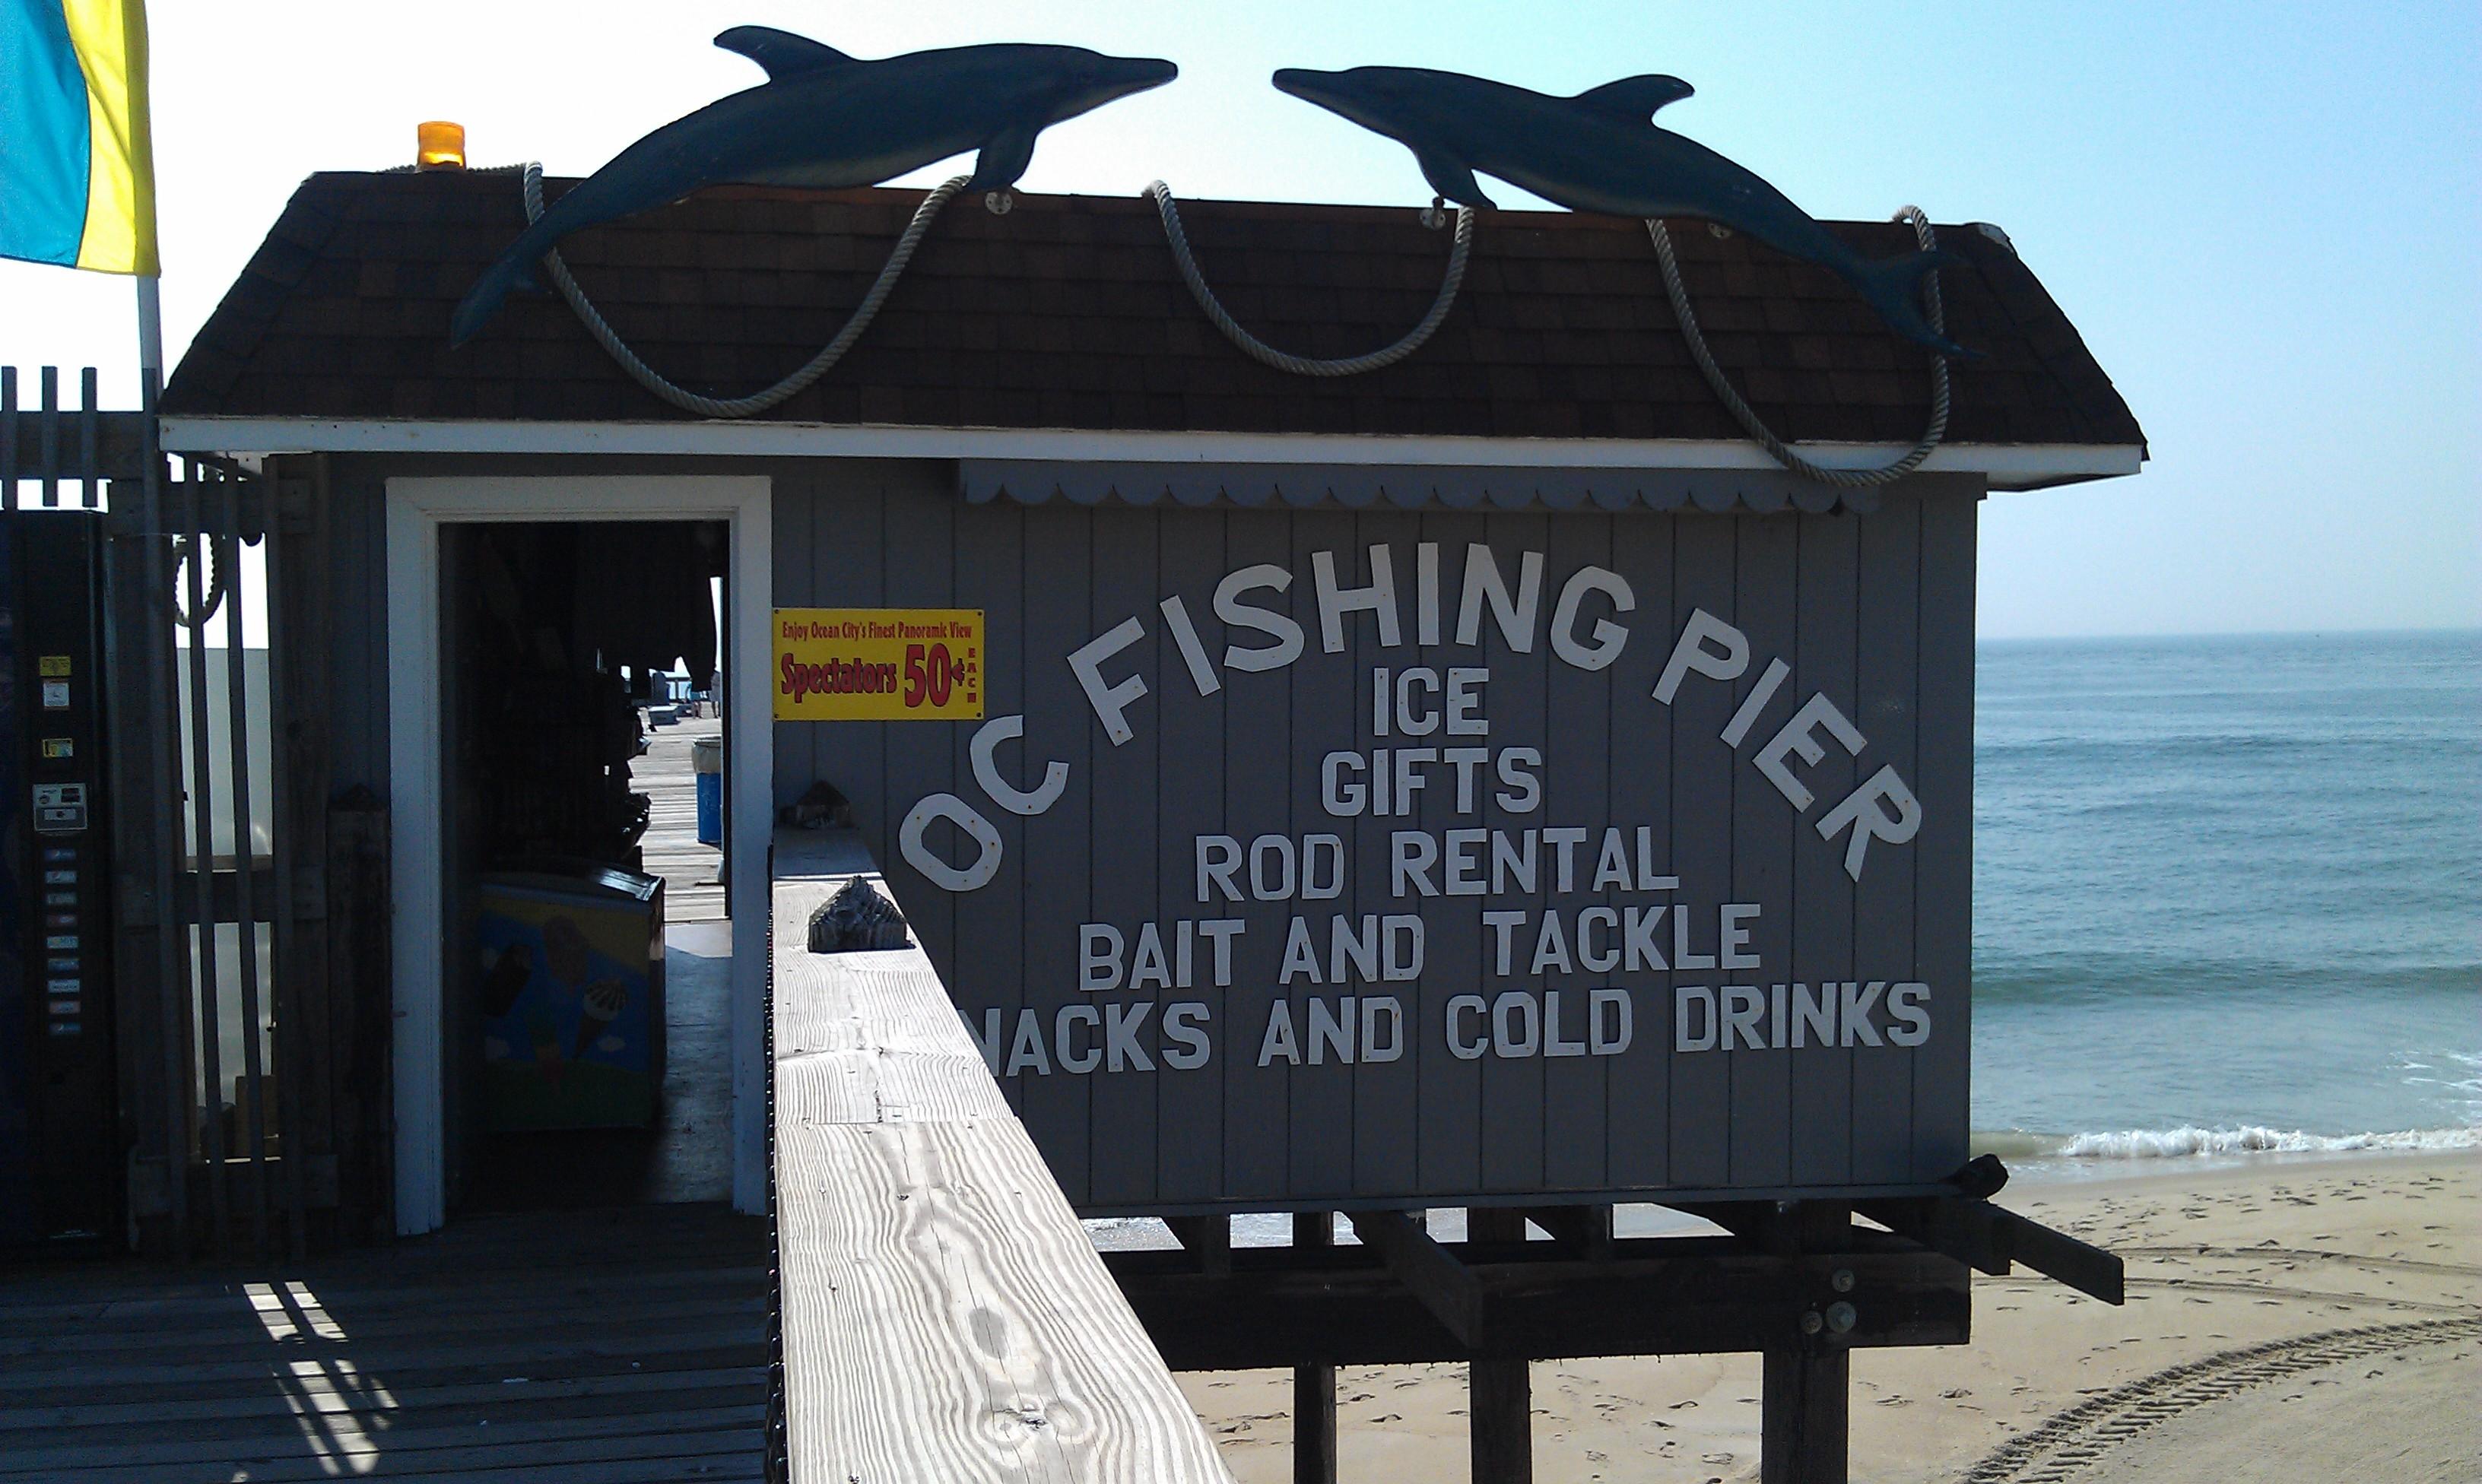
(2190, 1140)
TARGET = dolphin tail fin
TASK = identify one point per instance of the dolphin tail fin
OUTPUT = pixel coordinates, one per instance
(511, 273)
(1893, 288)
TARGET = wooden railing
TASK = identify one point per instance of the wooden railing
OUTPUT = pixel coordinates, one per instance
(945, 1315)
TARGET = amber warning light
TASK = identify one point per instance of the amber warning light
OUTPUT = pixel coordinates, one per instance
(439, 146)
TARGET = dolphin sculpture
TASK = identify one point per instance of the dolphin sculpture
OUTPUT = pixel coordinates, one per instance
(825, 119)
(1600, 152)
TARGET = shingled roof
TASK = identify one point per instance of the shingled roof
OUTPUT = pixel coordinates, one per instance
(1067, 313)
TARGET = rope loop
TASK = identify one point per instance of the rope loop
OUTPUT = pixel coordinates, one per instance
(188, 548)
(1750, 423)
(1305, 365)
(655, 381)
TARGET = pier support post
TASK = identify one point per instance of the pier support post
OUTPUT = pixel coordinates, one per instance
(1313, 1385)
(1500, 1411)
(1806, 1398)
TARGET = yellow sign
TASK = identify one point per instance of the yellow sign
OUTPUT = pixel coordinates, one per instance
(55, 667)
(878, 665)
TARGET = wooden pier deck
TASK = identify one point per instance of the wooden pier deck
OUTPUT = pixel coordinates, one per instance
(691, 892)
(612, 1346)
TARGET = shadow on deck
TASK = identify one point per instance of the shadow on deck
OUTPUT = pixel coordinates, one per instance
(609, 1345)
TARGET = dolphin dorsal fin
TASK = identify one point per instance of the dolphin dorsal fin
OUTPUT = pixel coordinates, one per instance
(1636, 97)
(782, 53)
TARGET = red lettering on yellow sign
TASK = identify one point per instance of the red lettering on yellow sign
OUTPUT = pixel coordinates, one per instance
(878, 665)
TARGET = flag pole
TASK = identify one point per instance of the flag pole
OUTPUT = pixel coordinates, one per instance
(150, 332)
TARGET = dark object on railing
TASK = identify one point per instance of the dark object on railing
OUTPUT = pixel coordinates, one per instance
(820, 807)
(857, 918)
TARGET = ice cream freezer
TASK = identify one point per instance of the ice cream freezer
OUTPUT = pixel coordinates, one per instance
(571, 981)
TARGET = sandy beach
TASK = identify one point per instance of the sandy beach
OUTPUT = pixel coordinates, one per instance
(2333, 1303)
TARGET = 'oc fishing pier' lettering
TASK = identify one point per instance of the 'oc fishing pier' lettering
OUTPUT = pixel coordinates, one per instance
(1422, 839)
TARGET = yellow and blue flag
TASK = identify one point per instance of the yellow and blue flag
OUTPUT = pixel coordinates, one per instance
(77, 162)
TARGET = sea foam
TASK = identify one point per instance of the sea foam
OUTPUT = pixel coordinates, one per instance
(2174, 1143)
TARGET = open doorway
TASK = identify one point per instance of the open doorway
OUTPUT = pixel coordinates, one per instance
(423, 514)
(589, 989)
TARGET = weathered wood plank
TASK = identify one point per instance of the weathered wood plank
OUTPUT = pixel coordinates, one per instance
(1517, 705)
(619, 1344)
(404, 1448)
(1189, 746)
(1122, 862)
(990, 934)
(1319, 1094)
(1821, 899)
(1762, 823)
(1704, 554)
(1449, 1133)
(1059, 560)
(1655, 1297)
(1943, 856)
(1640, 1085)
(237, 1437)
(944, 1315)
(1887, 668)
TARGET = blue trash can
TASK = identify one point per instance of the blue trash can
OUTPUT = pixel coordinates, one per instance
(706, 762)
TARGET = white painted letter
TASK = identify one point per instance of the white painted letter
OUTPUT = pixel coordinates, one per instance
(1862, 813)
(987, 770)
(1516, 615)
(1099, 958)
(1798, 736)
(1609, 638)
(1237, 614)
(1108, 700)
(1180, 1023)
(1683, 999)
(1726, 660)
(1333, 602)
(918, 854)
(1201, 671)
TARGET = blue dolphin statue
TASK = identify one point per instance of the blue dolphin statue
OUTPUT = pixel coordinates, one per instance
(827, 121)
(1600, 152)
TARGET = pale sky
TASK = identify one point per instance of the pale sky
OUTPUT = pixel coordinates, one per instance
(2263, 218)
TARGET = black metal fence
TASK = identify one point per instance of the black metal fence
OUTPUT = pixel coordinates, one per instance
(209, 898)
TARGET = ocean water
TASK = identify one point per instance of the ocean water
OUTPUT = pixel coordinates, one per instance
(2228, 895)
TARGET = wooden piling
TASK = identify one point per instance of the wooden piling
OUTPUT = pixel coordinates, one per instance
(1500, 1410)
(1314, 1439)
(1805, 1399)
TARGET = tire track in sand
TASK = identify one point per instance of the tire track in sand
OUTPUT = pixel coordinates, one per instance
(2073, 1439)
(2308, 1254)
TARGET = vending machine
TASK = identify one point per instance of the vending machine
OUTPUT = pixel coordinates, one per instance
(59, 1170)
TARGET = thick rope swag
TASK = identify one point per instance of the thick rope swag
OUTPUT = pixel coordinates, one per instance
(1304, 365)
(1461, 250)
(1742, 413)
(680, 397)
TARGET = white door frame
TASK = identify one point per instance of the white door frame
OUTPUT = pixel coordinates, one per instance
(416, 509)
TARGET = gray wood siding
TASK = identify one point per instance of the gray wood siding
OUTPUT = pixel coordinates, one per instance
(1873, 612)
